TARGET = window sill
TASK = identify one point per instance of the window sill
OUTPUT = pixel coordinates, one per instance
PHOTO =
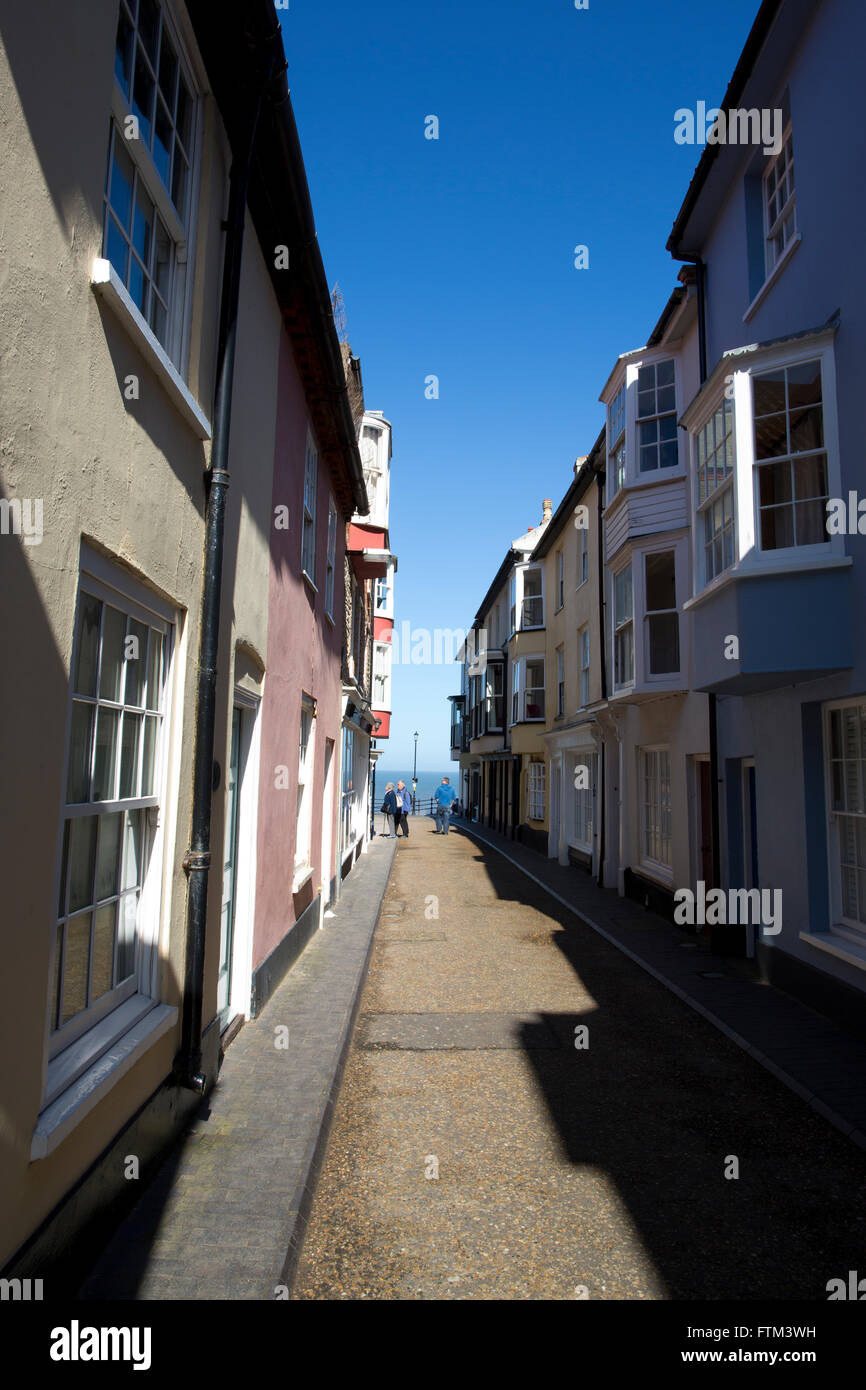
(303, 873)
(836, 946)
(59, 1118)
(106, 283)
(329, 619)
(659, 874)
(773, 276)
(307, 580)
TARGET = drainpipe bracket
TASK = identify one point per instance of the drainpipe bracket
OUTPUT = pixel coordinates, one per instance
(196, 861)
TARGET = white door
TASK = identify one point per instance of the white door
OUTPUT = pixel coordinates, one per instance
(327, 824)
(230, 863)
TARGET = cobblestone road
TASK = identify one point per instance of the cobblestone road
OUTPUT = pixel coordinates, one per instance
(563, 1171)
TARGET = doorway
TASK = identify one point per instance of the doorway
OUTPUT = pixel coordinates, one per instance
(239, 863)
(327, 827)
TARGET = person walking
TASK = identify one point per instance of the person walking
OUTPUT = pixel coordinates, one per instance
(444, 796)
(389, 808)
(405, 803)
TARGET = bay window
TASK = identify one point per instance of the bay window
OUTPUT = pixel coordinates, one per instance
(790, 458)
(662, 620)
(657, 417)
(527, 689)
(616, 442)
(623, 620)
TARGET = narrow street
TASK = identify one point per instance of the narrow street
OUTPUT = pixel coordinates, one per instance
(571, 1164)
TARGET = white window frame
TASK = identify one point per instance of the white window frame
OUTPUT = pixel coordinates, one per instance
(560, 580)
(519, 690)
(779, 168)
(582, 555)
(308, 513)
(179, 224)
(306, 766)
(331, 560)
(535, 790)
(521, 598)
(616, 440)
(705, 441)
(648, 614)
(838, 916)
(382, 656)
(74, 1048)
(583, 659)
(655, 753)
(620, 628)
(560, 682)
(657, 415)
(757, 370)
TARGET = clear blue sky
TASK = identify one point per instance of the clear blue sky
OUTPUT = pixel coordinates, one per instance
(456, 257)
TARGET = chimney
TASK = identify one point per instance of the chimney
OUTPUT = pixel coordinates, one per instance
(546, 510)
(579, 462)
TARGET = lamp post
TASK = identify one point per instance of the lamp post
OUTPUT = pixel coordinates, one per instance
(415, 773)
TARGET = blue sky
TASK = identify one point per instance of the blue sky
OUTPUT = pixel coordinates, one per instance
(456, 256)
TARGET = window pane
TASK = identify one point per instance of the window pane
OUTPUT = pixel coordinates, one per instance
(87, 661)
(811, 522)
(116, 248)
(130, 737)
(103, 950)
(108, 856)
(162, 142)
(771, 436)
(135, 648)
(142, 96)
(81, 843)
(142, 226)
(167, 72)
(162, 261)
(80, 743)
(661, 581)
(76, 966)
(664, 643)
(154, 670)
(104, 761)
(179, 179)
(769, 390)
(120, 188)
(123, 52)
(113, 634)
(137, 284)
(55, 984)
(810, 477)
(807, 429)
(774, 484)
(148, 27)
(127, 914)
(132, 850)
(184, 113)
(777, 528)
(804, 384)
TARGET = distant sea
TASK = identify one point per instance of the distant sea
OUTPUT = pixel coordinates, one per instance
(427, 781)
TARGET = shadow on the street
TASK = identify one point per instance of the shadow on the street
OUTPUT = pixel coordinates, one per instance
(660, 1101)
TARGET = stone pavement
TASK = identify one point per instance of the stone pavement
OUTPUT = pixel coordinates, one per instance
(528, 1112)
(225, 1216)
(820, 1062)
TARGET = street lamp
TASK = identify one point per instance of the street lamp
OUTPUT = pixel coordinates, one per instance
(415, 773)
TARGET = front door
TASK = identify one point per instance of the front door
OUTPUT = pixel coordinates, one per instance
(230, 867)
(705, 824)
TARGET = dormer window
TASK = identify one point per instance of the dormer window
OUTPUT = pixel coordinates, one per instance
(657, 417)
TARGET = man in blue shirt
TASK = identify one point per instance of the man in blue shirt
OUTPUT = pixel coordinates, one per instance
(444, 796)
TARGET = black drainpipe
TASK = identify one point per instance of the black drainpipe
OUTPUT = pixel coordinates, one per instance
(712, 712)
(600, 481)
(187, 1065)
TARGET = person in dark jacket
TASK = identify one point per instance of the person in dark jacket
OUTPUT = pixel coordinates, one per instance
(391, 807)
(404, 801)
